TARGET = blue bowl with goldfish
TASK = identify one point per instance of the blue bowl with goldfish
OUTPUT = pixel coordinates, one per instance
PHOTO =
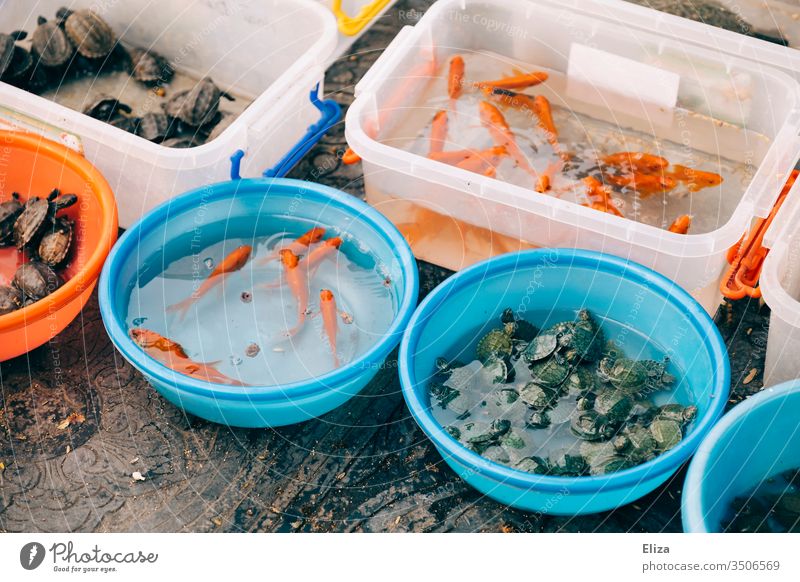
(259, 302)
(641, 314)
(744, 457)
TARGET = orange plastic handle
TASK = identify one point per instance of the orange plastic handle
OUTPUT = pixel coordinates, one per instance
(352, 25)
(747, 256)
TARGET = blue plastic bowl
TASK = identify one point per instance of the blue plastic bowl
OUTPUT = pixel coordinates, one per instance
(245, 208)
(555, 280)
(757, 439)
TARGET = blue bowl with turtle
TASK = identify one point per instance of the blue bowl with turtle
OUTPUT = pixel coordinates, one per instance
(563, 381)
(756, 442)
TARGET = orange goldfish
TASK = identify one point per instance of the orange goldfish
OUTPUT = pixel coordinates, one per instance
(233, 262)
(298, 285)
(299, 245)
(455, 79)
(172, 355)
(438, 132)
(644, 184)
(681, 224)
(484, 162)
(522, 81)
(327, 306)
(317, 254)
(695, 179)
(637, 161)
(599, 197)
(502, 135)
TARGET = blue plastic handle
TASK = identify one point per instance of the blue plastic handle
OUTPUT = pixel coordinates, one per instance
(330, 114)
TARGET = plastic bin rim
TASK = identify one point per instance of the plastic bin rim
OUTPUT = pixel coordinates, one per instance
(372, 358)
(102, 192)
(667, 462)
(691, 509)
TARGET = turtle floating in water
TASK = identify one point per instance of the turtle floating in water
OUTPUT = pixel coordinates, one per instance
(567, 385)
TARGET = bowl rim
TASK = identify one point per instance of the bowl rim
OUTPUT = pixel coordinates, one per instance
(452, 449)
(89, 271)
(331, 381)
(691, 497)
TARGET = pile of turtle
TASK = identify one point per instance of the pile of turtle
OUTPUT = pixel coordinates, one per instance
(78, 44)
(561, 401)
(38, 231)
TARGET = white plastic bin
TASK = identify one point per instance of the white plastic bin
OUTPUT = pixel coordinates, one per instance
(270, 51)
(543, 32)
(780, 288)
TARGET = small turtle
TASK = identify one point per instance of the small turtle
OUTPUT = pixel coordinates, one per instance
(535, 465)
(9, 211)
(636, 443)
(541, 347)
(50, 44)
(442, 393)
(498, 370)
(523, 329)
(538, 419)
(200, 105)
(614, 405)
(591, 426)
(656, 375)
(667, 433)
(497, 343)
(453, 431)
(150, 68)
(566, 464)
(125, 123)
(587, 339)
(550, 372)
(174, 104)
(21, 65)
(496, 429)
(681, 414)
(624, 373)
(153, 126)
(36, 280)
(10, 299)
(91, 35)
(55, 244)
(8, 48)
(105, 108)
(36, 212)
(225, 121)
(539, 397)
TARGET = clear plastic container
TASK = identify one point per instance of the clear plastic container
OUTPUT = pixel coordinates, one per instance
(730, 99)
(269, 52)
(780, 288)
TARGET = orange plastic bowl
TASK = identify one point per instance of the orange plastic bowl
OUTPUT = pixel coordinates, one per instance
(33, 166)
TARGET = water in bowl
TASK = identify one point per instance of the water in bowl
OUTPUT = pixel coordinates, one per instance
(772, 506)
(483, 404)
(241, 325)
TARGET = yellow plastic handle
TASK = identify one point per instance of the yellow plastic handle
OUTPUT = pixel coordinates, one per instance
(352, 25)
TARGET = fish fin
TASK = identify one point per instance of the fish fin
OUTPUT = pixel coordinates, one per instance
(181, 307)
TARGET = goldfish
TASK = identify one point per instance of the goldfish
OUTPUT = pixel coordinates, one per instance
(644, 184)
(235, 260)
(298, 285)
(171, 354)
(455, 79)
(484, 162)
(438, 132)
(637, 161)
(521, 81)
(502, 135)
(350, 157)
(545, 115)
(681, 224)
(299, 245)
(509, 98)
(327, 306)
(695, 179)
(599, 197)
(317, 254)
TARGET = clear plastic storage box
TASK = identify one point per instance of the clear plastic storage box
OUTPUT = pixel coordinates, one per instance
(270, 52)
(660, 75)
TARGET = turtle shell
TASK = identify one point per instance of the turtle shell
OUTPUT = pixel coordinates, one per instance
(51, 44)
(105, 107)
(175, 103)
(153, 126)
(30, 220)
(91, 35)
(10, 299)
(21, 64)
(200, 104)
(55, 244)
(9, 211)
(150, 68)
(7, 47)
(36, 280)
